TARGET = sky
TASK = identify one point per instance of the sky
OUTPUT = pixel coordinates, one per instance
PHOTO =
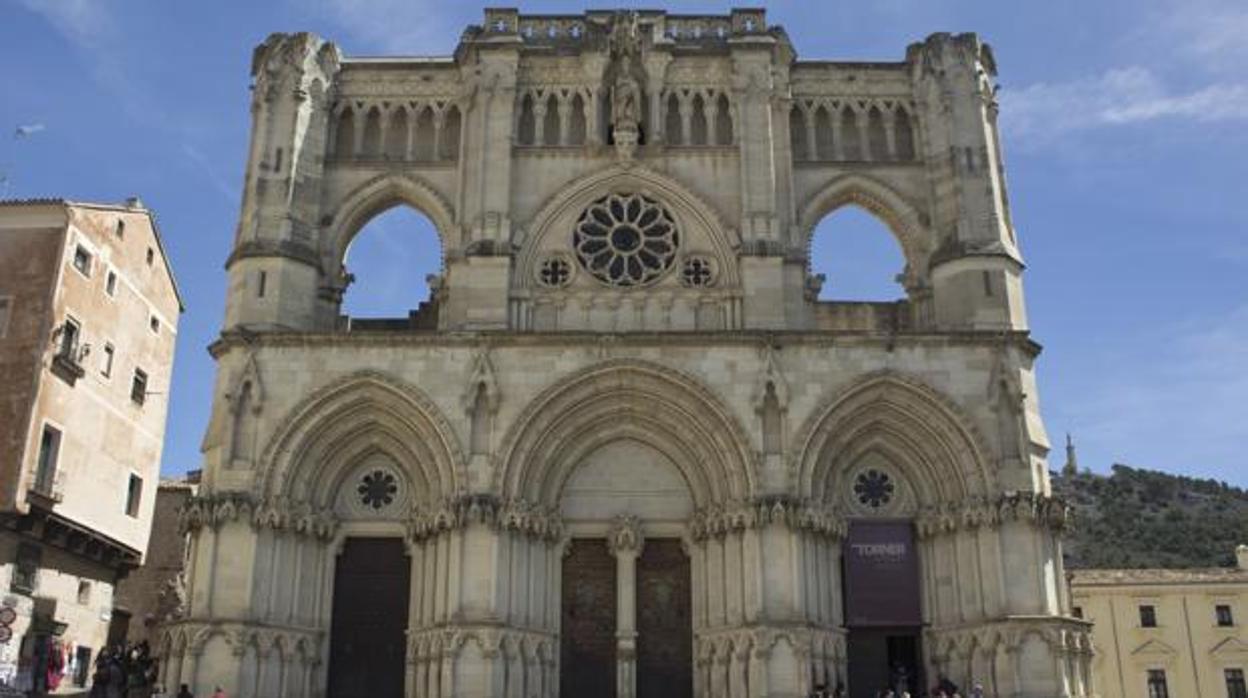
(1126, 144)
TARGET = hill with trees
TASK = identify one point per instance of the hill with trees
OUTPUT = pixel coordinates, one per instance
(1138, 518)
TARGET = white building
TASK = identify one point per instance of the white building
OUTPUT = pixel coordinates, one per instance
(88, 321)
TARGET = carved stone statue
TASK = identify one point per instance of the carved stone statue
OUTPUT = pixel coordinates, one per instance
(625, 102)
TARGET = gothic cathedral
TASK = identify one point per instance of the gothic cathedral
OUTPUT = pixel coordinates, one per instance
(624, 449)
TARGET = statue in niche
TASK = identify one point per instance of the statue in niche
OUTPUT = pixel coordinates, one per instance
(624, 43)
(625, 102)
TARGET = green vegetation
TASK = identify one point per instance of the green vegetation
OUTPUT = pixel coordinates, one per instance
(1143, 518)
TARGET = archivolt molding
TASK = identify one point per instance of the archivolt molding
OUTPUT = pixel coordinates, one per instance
(905, 220)
(568, 201)
(359, 206)
(913, 426)
(625, 399)
(337, 425)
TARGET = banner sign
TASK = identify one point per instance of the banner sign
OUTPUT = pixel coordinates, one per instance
(881, 575)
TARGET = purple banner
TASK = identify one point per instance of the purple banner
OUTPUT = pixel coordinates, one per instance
(881, 575)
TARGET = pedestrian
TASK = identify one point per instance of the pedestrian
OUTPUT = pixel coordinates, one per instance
(977, 691)
(219, 693)
(185, 692)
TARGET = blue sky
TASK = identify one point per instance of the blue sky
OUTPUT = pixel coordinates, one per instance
(1126, 142)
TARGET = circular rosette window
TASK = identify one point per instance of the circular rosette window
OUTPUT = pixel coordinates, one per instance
(626, 239)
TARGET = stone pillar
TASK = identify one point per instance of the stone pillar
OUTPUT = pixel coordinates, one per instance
(625, 542)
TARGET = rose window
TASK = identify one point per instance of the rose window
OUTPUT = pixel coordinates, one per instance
(377, 489)
(626, 239)
(873, 488)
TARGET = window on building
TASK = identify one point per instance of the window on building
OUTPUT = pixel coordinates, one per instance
(138, 387)
(1148, 616)
(1235, 687)
(151, 256)
(134, 495)
(84, 592)
(26, 569)
(70, 332)
(1157, 684)
(82, 260)
(49, 453)
(106, 364)
(121, 229)
(110, 283)
(1223, 613)
(1077, 611)
(6, 309)
(154, 323)
(263, 281)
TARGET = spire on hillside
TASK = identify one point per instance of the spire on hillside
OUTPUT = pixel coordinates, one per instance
(1071, 468)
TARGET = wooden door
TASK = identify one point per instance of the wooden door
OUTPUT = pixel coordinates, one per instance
(367, 643)
(664, 621)
(587, 630)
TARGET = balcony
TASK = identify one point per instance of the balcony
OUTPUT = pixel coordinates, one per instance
(47, 490)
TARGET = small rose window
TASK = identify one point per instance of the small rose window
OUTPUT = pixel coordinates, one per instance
(873, 488)
(626, 239)
(377, 489)
(554, 272)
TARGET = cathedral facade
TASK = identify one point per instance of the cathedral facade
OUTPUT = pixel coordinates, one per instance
(624, 449)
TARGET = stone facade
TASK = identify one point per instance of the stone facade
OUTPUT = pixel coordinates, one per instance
(155, 593)
(625, 345)
(88, 321)
(1181, 629)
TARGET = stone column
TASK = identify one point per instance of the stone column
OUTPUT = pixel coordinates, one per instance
(625, 542)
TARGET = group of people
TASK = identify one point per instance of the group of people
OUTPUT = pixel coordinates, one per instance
(944, 688)
(124, 672)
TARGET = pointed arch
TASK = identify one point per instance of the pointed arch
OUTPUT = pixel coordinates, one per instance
(550, 121)
(379, 194)
(576, 121)
(349, 419)
(571, 198)
(396, 135)
(370, 146)
(914, 426)
(723, 121)
(698, 122)
(344, 135)
(424, 135)
(526, 125)
(448, 143)
(902, 218)
(797, 134)
(626, 399)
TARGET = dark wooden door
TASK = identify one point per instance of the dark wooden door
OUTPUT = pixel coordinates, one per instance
(367, 642)
(664, 623)
(587, 630)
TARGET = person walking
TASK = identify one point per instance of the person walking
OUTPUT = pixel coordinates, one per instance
(185, 692)
(219, 693)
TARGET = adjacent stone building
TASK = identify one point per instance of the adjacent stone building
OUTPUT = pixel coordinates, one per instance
(88, 319)
(624, 450)
(1167, 632)
(155, 593)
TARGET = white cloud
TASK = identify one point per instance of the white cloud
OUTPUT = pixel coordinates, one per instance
(81, 21)
(1120, 96)
(1209, 31)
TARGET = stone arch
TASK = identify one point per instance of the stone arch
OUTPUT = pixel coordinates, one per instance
(879, 199)
(688, 206)
(921, 432)
(626, 399)
(379, 194)
(352, 418)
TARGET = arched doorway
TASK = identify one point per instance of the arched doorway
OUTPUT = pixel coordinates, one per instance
(626, 626)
